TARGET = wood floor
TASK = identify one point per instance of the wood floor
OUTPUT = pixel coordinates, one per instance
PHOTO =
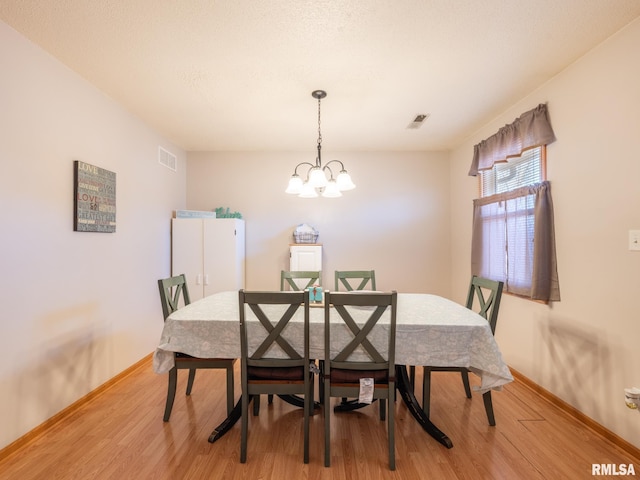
(120, 435)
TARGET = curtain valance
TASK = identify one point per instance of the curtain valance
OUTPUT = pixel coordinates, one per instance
(531, 129)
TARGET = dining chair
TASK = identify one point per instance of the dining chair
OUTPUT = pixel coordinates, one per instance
(172, 291)
(270, 364)
(346, 277)
(289, 278)
(354, 354)
(313, 277)
(488, 294)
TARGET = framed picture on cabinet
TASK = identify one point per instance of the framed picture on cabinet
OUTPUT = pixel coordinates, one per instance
(94, 198)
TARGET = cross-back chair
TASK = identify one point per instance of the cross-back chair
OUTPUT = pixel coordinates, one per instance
(173, 293)
(289, 278)
(484, 298)
(348, 279)
(362, 354)
(270, 363)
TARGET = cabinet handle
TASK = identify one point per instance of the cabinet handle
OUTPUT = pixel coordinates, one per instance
(199, 279)
(206, 279)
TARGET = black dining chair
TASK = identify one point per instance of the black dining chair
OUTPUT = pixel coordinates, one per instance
(173, 292)
(488, 294)
(269, 363)
(342, 371)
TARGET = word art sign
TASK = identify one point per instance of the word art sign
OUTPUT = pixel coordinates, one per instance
(94, 191)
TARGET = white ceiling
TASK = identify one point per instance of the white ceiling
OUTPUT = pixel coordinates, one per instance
(238, 74)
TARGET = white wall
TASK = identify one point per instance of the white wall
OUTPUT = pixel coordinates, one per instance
(77, 308)
(396, 221)
(584, 349)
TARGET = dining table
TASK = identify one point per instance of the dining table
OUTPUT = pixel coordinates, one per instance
(430, 330)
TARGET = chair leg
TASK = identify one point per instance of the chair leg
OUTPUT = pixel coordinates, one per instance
(391, 434)
(313, 393)
(244, 425)
(326, 411)
(465, 382)
(488, 406)
(320, 382)
(426, 390)
(230, 392)
(270, 398)
(171, 393)
(308, 405)
(383, 403)
(256, 405)
(192, 377)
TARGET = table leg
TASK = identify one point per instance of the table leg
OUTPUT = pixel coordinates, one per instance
(297, 401)
(351, 405)
(228, 422)
(236, 413)
(404, 387)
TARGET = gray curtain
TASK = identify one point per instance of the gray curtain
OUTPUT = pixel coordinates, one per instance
(531, 129)
(521, 219)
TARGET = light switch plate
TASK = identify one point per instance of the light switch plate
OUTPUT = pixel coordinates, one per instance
(634, 240)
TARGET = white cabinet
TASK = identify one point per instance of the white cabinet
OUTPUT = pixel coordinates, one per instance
(305, 257)
(210, 252)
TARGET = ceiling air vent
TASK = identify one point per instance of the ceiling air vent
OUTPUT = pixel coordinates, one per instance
(167, 159)
(417, 121)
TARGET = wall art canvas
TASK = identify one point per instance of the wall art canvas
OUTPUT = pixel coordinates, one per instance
(94, 198)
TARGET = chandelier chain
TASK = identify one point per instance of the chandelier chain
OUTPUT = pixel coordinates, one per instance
(319, 130)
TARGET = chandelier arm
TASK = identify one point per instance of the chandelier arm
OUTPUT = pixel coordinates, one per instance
(326, 167)
(295, 170)
(337, 161)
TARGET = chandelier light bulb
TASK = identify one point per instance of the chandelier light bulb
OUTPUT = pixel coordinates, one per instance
(331, 190)
(344, 181)
(308, 191)
(295, 185)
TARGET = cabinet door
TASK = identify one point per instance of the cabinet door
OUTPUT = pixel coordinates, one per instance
(306, 258)
(223, 255)
(187, 250)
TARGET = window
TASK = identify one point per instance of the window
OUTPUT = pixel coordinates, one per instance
(508, 226)
(527, 169)
(513, 237)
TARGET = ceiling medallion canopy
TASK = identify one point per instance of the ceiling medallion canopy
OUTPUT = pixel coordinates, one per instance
(319, 178)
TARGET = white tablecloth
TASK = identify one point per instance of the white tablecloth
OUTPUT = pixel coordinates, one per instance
(430, 330)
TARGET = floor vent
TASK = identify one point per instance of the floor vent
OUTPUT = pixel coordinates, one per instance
(167, 159)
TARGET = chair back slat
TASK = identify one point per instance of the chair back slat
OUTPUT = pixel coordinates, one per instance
(361, 335)
(274, 332)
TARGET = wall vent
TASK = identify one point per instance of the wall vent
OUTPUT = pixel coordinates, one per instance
(417, 121)
(167, 159)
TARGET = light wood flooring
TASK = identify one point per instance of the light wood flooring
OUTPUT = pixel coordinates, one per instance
(120, 434)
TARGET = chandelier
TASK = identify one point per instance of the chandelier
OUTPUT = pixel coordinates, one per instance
(319, 178)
